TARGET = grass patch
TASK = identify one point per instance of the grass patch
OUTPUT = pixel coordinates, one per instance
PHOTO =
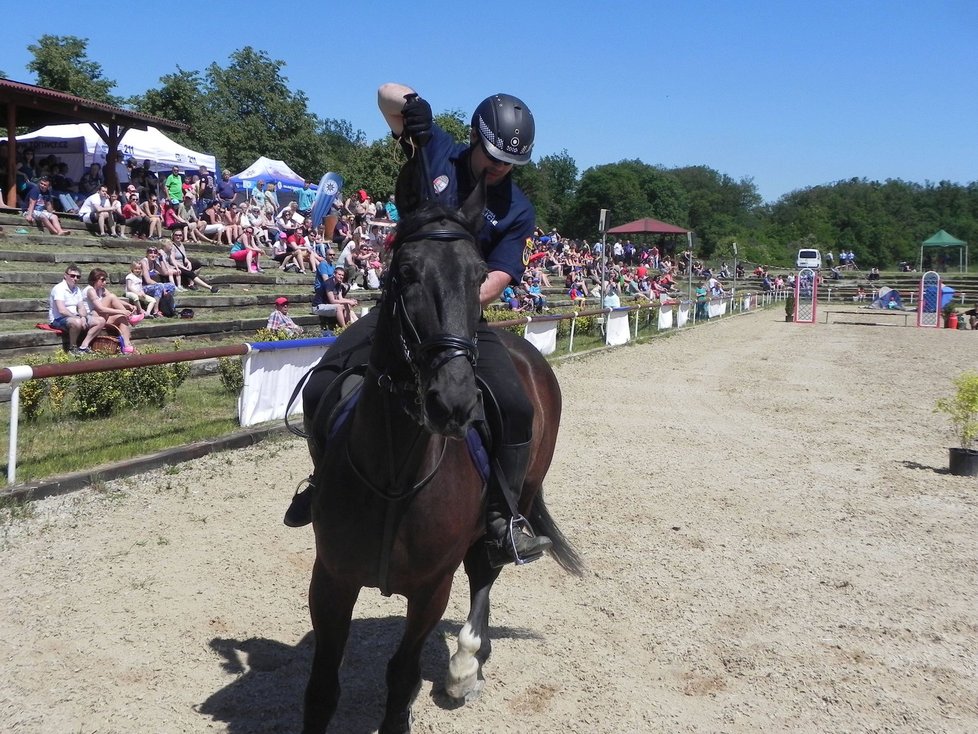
(58, 444)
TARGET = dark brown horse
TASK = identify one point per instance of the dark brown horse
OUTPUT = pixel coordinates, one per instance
(403, 503)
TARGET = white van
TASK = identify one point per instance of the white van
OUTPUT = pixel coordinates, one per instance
(809, 259)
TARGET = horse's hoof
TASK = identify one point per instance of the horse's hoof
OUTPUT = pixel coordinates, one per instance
(466, 691)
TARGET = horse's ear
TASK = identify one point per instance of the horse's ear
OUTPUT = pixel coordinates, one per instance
(475, 206)
(407, 194)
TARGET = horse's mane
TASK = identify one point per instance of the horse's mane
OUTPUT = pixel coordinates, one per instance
(427, 212)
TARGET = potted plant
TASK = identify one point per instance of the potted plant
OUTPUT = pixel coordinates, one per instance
(962, 410)
(950, 315)
(789, 307)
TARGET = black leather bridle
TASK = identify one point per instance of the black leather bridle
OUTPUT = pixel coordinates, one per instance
(425, 356)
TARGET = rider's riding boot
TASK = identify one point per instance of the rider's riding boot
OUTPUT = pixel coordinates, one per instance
(300, 511)
(510, 537)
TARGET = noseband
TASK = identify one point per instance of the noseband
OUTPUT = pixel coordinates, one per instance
(426, 356)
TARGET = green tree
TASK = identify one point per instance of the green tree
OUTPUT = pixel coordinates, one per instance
(721, 210)
(180, 96)
(455, 124)
(62, 63)
(559, 172)
(253, 113)
(632, 190)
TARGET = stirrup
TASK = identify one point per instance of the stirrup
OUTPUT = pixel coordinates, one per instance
(504, 551)
(299, 513)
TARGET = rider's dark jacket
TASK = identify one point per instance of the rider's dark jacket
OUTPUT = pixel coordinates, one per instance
(510, 217)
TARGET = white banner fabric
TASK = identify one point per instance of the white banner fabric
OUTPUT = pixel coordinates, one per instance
(618, 331)
(269, 379)
(665, 316)
(682, 316)
(542, 335)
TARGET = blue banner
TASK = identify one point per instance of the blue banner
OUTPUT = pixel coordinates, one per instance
(330, 186)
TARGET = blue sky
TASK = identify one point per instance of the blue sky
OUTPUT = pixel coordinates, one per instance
(790, 94)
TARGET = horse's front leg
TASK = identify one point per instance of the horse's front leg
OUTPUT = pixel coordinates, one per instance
(331, 607)
(464, 680)
(424, 611)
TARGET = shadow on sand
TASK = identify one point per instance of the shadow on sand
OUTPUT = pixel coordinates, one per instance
(266, 697)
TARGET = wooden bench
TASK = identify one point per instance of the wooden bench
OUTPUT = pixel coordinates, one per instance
(872, 312)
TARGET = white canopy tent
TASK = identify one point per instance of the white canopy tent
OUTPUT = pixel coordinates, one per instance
(269, 170)
(79, 146)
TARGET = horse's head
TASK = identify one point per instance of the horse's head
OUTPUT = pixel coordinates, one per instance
(432, 300)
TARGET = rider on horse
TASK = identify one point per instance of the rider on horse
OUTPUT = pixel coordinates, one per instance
(501, 136)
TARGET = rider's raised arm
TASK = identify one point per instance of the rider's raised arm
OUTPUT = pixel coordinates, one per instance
(390, 99)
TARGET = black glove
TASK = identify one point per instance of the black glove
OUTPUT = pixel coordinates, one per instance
(417, 119)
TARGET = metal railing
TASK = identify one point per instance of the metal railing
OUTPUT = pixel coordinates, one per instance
(15, 376)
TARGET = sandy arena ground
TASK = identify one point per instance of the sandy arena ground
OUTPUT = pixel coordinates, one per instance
(772, 540)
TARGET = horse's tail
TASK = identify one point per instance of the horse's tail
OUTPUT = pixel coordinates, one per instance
(563, 551)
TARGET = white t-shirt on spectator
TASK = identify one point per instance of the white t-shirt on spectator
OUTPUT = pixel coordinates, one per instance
(92, 203)
(71, 297)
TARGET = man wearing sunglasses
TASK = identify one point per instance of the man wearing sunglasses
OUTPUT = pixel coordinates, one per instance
(501, 137)
(68, 311)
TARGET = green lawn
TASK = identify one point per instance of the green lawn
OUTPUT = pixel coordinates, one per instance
(56, 444)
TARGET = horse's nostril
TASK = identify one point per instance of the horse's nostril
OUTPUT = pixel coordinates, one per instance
(449, 417)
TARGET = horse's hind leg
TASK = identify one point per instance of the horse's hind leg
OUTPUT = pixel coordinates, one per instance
(331, 607)
(464, 680)
(424, 611)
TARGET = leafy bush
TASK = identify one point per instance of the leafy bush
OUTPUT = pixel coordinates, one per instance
(98, 394)
(265, 334)
(33, 392)
(962, 408)
(180, 371)
(231, 374)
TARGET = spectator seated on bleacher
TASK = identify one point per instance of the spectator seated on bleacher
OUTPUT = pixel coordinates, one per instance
(279, 319)
(134, 217)
(105, 304)
(91, 181)
(145, 304)
(96, 211)
(196, 227)
(64, 189)
(247, 252)
(187, 268)
(288, 218)
(38, 206)
(68, 312)
(154, 214)
(336, 302)
(158, 275)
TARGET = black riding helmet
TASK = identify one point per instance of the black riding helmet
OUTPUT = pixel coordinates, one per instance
(506, 128)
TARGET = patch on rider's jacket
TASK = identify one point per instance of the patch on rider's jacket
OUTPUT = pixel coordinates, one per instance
(440, 183)
(527, 251)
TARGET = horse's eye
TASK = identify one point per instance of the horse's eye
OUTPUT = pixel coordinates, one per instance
(408, 274)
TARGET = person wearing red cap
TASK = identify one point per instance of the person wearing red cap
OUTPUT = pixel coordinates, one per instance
(279, 319)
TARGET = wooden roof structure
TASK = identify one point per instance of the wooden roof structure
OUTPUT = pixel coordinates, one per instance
(27, 105)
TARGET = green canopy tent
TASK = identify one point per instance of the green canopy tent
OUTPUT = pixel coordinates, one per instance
(943, 239)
